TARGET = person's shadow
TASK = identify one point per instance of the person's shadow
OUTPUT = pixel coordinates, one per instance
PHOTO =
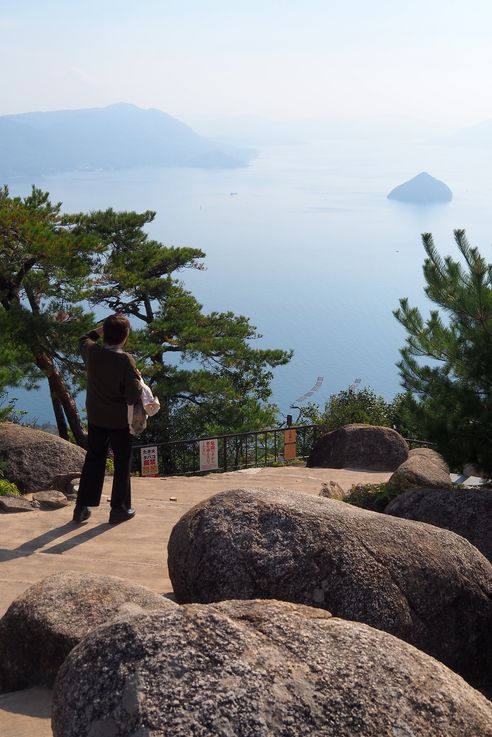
(31, 546)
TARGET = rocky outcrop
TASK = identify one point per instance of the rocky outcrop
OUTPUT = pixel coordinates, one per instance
(45, 622)
(468, 512)
(360, 446)
(265, 669)
(423, 468)
(425, 585)
(422, 190)
(33, 458)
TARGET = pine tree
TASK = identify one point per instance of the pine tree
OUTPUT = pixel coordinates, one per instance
(204, 367)
(447, 360)
(54, 266)
(45, 264)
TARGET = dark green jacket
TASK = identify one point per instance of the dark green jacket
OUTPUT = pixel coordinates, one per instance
(112, 383)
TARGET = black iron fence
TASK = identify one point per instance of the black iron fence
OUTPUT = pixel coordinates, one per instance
(226, 452)
(221, 453)
(416, 443)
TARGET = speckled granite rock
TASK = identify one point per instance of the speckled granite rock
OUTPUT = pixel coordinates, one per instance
(51, 499)
(425, 585)
(33, 458)
(468, 512)
(45, 622)
(359, 446)
(15, 504)
(424, 468)
(258, 669)
(332, 490)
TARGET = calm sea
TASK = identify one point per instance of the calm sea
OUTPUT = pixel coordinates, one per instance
(305, 243)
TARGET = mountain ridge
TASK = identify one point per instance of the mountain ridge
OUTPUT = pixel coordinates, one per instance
(117, 136)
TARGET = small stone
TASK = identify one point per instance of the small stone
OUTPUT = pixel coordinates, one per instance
(173, 499)
(51, 499)
(332, 490)
(15, 504)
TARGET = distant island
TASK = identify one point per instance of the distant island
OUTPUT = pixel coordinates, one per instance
(422, 190)
(115, 137)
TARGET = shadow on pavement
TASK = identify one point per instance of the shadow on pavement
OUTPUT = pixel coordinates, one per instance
(83, 537)
(31, 546)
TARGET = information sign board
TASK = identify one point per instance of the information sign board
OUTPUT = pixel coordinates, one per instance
(290, 445)
(209, 454)
(149, 461)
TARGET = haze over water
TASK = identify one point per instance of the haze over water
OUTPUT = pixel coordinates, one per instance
(305, 243)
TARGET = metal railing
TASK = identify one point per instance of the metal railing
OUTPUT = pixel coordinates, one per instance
(234, 451)
(416, 443)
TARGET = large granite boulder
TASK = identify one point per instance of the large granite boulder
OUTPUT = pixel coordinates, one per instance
(258, 669)
(33, 458)
(468, 512)
(429, 453)
(44, 623)
(423, 468)
(359, 446)
(425, 585)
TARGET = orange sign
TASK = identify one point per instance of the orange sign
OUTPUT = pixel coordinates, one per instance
(290, 445)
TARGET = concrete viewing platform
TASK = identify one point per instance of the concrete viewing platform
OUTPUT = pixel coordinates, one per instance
(40, 543)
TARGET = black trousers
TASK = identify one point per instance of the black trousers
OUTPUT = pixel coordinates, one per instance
(92, 477)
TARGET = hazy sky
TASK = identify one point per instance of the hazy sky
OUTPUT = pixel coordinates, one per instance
(278, 58)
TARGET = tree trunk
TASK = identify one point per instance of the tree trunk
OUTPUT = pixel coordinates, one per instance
(61, 422)
(60, 390)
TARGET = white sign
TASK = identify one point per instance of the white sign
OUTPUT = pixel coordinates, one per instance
(150, 461)
(209, 455)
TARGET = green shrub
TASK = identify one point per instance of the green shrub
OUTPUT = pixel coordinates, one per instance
(370, 496)
(8, 489)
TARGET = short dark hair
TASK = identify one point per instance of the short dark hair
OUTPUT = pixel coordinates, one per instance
(115, 329)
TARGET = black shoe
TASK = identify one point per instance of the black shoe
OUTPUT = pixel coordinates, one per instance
(120, 514)
(81, 513)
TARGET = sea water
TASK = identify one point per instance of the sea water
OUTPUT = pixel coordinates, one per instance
(305, 243)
